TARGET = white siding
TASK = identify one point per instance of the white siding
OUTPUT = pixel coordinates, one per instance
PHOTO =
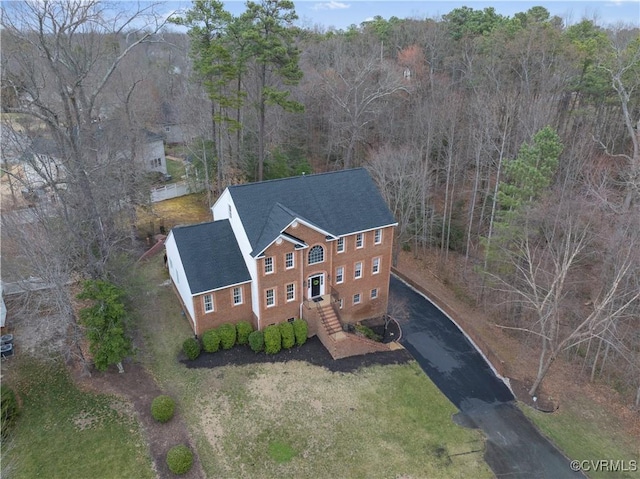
(177, 274)
(220, 211)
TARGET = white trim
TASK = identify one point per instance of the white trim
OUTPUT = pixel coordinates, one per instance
(264, 265)
(233, 295)
(220, 288)
(374, 236)
(360, 239)
(204, 303)
(286, 292)
(355, 269)
(375, 270)
(341, 274)
(359, 295)
(266, 297)
(293, 260)
(362, 231)
(300, 243)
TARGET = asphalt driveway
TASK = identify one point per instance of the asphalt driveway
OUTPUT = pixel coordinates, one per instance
(514, 447)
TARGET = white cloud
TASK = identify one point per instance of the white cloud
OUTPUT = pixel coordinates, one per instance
(332, 5)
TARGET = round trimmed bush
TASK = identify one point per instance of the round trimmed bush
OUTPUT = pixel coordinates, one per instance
(162, 408)
(243, 329)
(10, 409)
(179, 459)
(256, 341)
(227, 333)
(301, 331)
(272, 339)
(191, 348)
(286, 332)
(211, 341)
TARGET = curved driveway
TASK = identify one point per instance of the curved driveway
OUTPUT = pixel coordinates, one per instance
(514, 447)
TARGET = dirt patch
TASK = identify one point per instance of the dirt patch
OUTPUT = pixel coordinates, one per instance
(138, 389)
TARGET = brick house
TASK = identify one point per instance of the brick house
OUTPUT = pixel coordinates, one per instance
(313, 246)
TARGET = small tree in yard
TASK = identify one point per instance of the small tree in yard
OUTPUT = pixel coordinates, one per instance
(105, 323)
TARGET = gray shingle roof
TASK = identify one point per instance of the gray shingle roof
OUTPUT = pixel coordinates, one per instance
(340, 203)
(210, 256)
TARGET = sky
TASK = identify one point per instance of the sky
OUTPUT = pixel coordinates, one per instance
(339, 14)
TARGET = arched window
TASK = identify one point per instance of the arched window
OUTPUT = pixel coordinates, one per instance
(316, 254)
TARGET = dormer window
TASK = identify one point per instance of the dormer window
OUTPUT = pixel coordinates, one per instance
(316, 254)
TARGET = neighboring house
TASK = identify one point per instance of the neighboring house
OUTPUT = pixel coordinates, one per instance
(280, 249)
(43, 160)
(151, 152)
(173, 130)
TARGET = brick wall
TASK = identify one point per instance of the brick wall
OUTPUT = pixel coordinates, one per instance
(224, 311)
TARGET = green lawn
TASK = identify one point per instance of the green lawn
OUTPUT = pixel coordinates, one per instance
(176, 169)
(64, 432)
(586, 431)
(302, 421)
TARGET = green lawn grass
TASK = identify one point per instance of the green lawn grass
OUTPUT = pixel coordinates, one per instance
(302, 421)
(64, 432)
(176, 169)
(586, 431)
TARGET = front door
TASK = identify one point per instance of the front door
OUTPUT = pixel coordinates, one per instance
(315, 285)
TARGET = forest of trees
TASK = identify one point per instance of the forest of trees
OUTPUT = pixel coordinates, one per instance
(509, 143)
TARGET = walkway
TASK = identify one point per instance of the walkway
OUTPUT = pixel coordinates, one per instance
(514, 447)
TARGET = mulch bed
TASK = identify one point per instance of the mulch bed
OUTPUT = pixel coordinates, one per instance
(312, 352)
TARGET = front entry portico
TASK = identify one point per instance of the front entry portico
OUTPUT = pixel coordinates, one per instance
(315, 285)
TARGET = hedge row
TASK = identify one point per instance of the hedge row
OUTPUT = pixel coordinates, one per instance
(272, 340)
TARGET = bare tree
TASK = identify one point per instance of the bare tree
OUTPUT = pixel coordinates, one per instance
(61, 63)
(544, 261)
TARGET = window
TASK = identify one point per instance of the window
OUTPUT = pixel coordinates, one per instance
(374, 293)
(271, 297)
(167, 129)
(375, 267)
(316, 254)
(208, 303)
(341, 302)
(339, 274)
(358, 270)
(268, 265)
(340, 245)
(356, 298)
(237, 295)
(291, 292)
(359, 240)
(288, 260)
(377, 236)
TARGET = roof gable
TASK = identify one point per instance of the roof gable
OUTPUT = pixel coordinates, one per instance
(210, 256)
(338, 203)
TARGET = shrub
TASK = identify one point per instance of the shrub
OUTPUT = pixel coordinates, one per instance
(301, 331)
(191, 348)
(368, 333)
(162, 408)
(286, 332)
(227, 334)
(179, 459)
(211, 341)
(256, 341)
(272, 339)
(10, 410)
(243, 329)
